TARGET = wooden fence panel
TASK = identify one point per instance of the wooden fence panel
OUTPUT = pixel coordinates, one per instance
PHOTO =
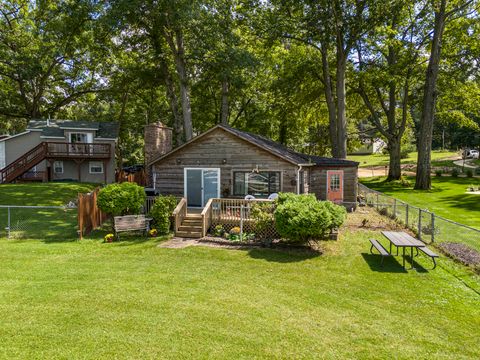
(139, 177)
(90, 217)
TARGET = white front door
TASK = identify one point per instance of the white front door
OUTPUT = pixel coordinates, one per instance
(201, 185)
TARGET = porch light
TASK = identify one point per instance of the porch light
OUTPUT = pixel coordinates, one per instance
(255, 169)
(179, 161)
(224, 161)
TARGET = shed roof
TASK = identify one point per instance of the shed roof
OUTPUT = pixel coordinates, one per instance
(273, 147)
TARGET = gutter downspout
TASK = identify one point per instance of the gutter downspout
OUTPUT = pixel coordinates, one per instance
(298, 178)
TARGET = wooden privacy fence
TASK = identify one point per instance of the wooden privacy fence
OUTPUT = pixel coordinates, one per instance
(139, 177)
(90, 217)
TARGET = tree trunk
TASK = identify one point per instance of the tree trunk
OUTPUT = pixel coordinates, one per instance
(341, 105)
(423, 180)
(224, 107)
(178, 51)
(394, 170)
(173, 101)
(329, 98)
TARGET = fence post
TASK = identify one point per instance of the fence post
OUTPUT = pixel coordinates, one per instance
(420, 224)
(433, 227)
(406, 214)
(8, 223)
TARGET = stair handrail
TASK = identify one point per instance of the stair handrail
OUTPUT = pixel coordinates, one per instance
(180, 213)
(207, 216)
(23, 163)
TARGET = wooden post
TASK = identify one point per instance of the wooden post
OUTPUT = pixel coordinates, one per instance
(406, 214)
(80, 216)
(420, 224)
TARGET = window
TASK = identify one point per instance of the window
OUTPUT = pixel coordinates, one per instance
(335, 182)
(96, 167)
(58, 167)
(262, 183)
(78, 138)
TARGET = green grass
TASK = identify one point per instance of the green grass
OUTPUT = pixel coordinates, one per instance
(438, 159)
(448, 197)
(134, 300)
(131, 299)
(42, 194)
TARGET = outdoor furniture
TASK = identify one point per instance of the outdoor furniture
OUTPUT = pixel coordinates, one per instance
(249, 197)
(383, 252)
(430, 253)
(272, 196)
(403, 240)
(131, 223)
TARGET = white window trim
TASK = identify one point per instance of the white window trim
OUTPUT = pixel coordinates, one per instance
(90, 168)
(249, 170)
(62, 166)
(88, 134)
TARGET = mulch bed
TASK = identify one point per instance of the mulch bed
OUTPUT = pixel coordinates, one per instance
(461, 253)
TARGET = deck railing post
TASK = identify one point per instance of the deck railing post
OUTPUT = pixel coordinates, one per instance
(420, 224)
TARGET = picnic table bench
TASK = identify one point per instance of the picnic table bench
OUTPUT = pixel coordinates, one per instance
(402, 240)
(131, 223)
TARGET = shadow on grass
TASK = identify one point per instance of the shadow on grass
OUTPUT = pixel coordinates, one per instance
(391, 264)
(283, 255)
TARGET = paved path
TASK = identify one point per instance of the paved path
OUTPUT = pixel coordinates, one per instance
(179, 243)
(468, 164)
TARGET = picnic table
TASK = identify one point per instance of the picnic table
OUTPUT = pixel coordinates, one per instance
(403, 240)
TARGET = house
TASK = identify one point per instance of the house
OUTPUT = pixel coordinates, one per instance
(370, 146)
(51, 150)
(225, 162)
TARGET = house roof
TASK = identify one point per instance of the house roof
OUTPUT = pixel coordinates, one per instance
(271, 146)
(55, 128)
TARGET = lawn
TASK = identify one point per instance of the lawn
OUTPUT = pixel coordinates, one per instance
(439, 158)
(42, 194)
(132, 299)
(448, 197)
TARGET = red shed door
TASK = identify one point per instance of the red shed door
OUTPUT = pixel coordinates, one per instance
(335, 185)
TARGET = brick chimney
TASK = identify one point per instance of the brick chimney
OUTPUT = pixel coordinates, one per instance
(158, 141)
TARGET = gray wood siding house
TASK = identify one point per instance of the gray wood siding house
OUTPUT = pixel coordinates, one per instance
(225, 162)
(60, 150)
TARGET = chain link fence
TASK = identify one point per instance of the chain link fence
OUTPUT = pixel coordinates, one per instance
(426, 225)
(49, 223)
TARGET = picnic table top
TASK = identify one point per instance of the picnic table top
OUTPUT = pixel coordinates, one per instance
(402, 239)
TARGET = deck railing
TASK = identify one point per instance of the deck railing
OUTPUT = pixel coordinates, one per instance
(232, 209)
(62, 149)
(207, 217)
(180, 213)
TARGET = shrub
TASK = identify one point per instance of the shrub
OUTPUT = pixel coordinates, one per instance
(121, 199)
(300, 218)
(454, 172)
(438, 172)
(262, 213)
(338, 213)
(219, 230)
(469, 173)
(161, 212)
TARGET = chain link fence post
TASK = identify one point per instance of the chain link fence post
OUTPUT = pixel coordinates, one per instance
(8, 223)
(433, 227)
(420, 224)
(406, 214)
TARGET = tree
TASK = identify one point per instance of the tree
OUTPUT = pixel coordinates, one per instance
(442, 15)
(49, 56)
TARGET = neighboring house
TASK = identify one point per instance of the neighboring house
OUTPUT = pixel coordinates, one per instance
(51, 150)
(229, 163)
(370, 146)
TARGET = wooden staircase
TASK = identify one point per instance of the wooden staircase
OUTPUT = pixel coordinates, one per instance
(23, 164)
(191, 226)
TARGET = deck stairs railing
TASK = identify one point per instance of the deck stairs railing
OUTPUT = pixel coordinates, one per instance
(23, 163)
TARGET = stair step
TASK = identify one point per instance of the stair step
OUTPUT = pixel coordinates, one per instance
(189, 234)
(193, 216)
(190, 228)
(194, 222)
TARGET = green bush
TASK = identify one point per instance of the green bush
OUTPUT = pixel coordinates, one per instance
(338, 213)
(262, 213)
(300, 218)
(469, 173)
(438, 172)
(161, 212)
(455, 172)
(121, 199)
